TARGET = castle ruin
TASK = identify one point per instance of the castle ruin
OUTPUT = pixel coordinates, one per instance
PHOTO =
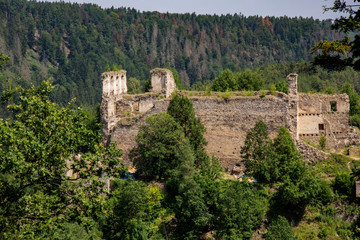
(307, 116)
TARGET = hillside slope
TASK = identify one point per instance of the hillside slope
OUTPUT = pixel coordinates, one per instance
(73, 43)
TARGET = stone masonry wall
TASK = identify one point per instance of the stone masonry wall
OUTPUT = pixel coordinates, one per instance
(162, 78)
(307, 116)
(226, 121)
(328, 115)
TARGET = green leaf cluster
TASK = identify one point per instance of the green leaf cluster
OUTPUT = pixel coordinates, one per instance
(246, 80)
(48, 159)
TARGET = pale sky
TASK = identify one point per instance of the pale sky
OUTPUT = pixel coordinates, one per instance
(290, 8)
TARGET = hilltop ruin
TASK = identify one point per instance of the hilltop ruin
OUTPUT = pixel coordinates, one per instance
(307, 116)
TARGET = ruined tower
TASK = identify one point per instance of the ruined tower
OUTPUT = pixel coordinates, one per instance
(162, 79)
(114, 85)
(292, 116)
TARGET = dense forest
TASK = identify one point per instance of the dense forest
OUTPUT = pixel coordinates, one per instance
(75, 43)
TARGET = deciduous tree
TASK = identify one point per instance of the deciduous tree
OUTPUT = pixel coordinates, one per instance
(160, 146)
(339, 54)
(37, 148)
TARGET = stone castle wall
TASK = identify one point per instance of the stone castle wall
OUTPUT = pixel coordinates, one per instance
(327, 115)
(228, 120)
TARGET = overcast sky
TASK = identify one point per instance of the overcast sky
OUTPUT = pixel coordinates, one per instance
(291, 8)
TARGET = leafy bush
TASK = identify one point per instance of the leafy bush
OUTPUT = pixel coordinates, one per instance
(344, 184)
(282, 86)
(225, 81)
(249, 80)
(272, 89)
(322, 142)
(240, 210)
(226, 95)
(355, 120)
(280, 229)
(134, 211)
(160, 146)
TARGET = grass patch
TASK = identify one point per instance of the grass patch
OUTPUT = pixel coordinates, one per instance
(225, 95)
(330, 167)
(247, 93)
(322, 223)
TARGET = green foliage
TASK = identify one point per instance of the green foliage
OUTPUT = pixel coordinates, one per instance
(272, 89)
(75, 231)
(37, 148)
(280, 229)
(330, 90)
(249, 80)
(293, 196)
(87, 40)
(116, 67)
(208, 91)
(3, 60)
(344, 184)
(355, 120)
(181, 109)
(160, 146)
(190, 208)
(225, 81)
(271, 161)
(336, 55)
(259, 157)
(246, 80)
(331, 166)
(290, 162)
(282, 86)
(176, 78)
(92, 117)
(332, 54)
(353, 97)
(134, 86)
(135, 211)
(147, 85)
(226, 95)
(240, 210)
(322, 142)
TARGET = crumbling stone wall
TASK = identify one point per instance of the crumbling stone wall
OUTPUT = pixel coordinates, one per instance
(162, 78)
(228, 120)
(114, 85)
(292, 113)
(328, 115)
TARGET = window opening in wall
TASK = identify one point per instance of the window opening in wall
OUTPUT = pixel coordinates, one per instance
(333, 106)
(321, 127)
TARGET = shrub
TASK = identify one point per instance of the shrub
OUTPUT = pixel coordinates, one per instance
(272, 89)
(280, 229)
(344, 184)
(226, 95)
(263, 94)
(322, 142)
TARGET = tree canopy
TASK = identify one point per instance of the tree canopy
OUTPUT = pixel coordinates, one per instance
(38, 148)
(339, 54)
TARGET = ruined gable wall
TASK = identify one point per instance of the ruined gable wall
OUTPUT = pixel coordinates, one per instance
(227, 122)
(162, 78)
(316, 118)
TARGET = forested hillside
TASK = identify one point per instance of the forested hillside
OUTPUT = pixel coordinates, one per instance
(74, 43)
